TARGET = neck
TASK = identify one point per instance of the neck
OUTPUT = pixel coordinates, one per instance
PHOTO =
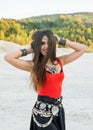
(49, 62)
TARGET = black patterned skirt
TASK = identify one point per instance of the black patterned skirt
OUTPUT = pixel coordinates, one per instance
(48, 114)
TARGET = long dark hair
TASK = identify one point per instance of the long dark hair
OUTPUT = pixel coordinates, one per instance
(38, 71)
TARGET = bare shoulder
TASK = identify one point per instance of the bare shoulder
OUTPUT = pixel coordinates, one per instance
(60, 58)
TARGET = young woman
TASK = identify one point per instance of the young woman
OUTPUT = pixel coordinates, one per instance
(47, 75)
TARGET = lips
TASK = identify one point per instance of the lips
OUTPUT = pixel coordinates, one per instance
(45, 50)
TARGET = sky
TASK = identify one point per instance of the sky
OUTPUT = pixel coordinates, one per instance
(18, 9)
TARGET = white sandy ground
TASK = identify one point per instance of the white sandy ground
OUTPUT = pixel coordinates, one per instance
(17, 99)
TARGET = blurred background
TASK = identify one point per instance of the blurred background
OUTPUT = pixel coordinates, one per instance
(72, 20)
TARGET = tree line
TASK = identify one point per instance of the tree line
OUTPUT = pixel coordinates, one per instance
(76, 27)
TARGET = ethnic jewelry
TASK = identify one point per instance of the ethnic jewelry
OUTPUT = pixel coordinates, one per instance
(62, 42)
(51, 68)
(46, 110)
(24, 52)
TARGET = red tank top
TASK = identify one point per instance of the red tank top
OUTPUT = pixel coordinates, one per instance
(53, 84)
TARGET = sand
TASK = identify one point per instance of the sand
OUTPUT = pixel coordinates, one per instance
(17, 96)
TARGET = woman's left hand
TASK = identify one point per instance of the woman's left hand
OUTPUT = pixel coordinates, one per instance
(57, 37)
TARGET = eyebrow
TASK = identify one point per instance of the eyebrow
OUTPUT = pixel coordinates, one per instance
(45, 38)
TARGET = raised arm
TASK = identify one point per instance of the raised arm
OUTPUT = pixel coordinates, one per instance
(14, 59)
(79, 49)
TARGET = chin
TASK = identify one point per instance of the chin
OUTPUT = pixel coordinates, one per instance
(44, 54)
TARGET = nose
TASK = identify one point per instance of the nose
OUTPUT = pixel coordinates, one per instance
(46, 45)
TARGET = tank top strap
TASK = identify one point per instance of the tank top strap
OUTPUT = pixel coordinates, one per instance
(60, 63)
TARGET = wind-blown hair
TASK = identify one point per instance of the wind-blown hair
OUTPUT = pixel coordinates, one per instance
(38, 71)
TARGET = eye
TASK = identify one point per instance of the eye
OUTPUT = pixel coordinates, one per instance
(42, 43)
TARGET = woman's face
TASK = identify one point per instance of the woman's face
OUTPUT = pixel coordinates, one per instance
(44, 46)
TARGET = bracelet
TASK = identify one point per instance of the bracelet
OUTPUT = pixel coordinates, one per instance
(24, 52)
(62, 42)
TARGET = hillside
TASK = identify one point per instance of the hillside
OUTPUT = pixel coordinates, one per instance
(74, 26)
(55, 16)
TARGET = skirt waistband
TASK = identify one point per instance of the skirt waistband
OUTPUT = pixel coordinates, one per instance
(46, 99)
